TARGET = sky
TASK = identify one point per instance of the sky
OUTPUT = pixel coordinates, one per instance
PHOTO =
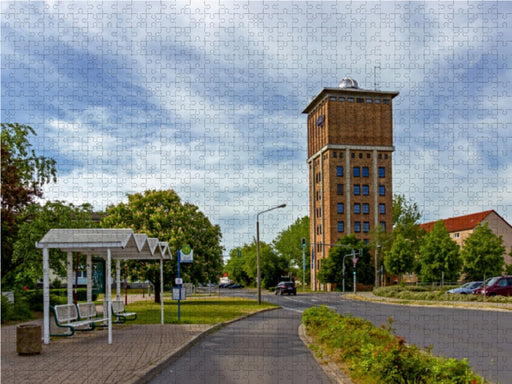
(206, 98)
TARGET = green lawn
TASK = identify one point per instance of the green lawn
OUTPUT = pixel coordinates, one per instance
(195, 311)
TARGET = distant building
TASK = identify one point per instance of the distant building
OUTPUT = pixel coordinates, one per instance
(463, 226)
(350, 143)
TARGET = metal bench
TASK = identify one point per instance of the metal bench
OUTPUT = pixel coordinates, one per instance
(87, 311)
(66, 316)
(119, 312)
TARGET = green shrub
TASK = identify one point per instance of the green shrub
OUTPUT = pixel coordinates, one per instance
(376, 355)
(17, 311)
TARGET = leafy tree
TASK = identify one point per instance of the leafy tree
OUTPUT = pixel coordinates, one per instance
(22, 174)
(161, 214)
(438, 254)
(332, 267)
(288, 245)
(482, 254)
(235, 267)
(405, 222)
(400, 259)
(271, 264)
(27, 267)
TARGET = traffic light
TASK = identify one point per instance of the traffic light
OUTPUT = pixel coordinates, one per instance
(304, 242)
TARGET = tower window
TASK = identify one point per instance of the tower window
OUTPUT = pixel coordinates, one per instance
(341, 226)
(360, 100)
(382, 171)
(357, 189)
(357, 208)
(339, 189)
(366, 227)
(339, 170)
(366, 208)
(357, 226)
(382, 208)
(382, 190)
(341, 98)
(360, 155)
(369, 101)
(366, 172)
(350, 99)
(377, 101)
(334, 154)
(357, 171)
(385, 101)
(366, 190)
(383, 225)
(341, 208)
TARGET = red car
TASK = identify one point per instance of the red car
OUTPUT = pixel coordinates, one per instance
(499, 285)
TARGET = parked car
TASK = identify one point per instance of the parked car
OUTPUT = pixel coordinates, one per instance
(286, 287)
(499, 285)
(234, 286)
(467, 288)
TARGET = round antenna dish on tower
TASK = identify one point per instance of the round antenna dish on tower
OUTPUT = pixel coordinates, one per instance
(348, 82)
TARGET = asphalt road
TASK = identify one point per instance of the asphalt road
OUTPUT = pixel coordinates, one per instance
(264, 348)
(484, 337)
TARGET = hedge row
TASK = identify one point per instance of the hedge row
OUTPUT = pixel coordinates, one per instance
(374, 355)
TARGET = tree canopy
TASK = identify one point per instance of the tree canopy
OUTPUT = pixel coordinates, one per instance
(332, 267)
(288, 245)
(482, 254)
(23, 174)
(161, 214)
(26, 262)
(401, 257)
(243, 269)
(439, 254)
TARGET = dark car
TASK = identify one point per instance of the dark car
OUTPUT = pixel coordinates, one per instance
(286, 287)
(499, 285)
(234, 286)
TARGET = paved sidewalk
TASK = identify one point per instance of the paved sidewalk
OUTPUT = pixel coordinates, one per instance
(86, 357)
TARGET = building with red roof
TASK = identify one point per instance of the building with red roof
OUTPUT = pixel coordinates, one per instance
(463, 226)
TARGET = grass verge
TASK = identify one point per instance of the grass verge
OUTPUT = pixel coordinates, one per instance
(195, 311)
(371, 355)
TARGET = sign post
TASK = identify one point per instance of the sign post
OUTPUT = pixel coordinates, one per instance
(179, 285)
(354, 260)
(303, 264)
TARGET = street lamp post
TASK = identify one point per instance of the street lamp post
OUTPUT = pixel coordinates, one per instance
(258, 271)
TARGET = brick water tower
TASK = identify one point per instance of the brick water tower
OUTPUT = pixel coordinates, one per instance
(350, 143)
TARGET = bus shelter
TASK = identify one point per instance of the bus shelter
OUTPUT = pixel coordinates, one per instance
(109, 244)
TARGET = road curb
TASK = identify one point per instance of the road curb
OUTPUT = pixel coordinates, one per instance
(147, 375)
(331, 369)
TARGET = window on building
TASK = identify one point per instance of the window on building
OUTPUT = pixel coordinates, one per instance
(382, 190)
(360, 155)
(350, 99)
(341, 208)
(366, 208)
(341, 98)
(357, 171)
(382, 208)
(357, 189)
(366, 227)
(339, 170)
(385, 101)
(377, 101)
(382, 171)
(357, 226)
(383, 225)
(366, 172)
(456, 235)
(340, 188)
(369, 101)
(366, 190)
(360, 100)
(341, 226)
(333, 98)
(334, 154)
(357, 208)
